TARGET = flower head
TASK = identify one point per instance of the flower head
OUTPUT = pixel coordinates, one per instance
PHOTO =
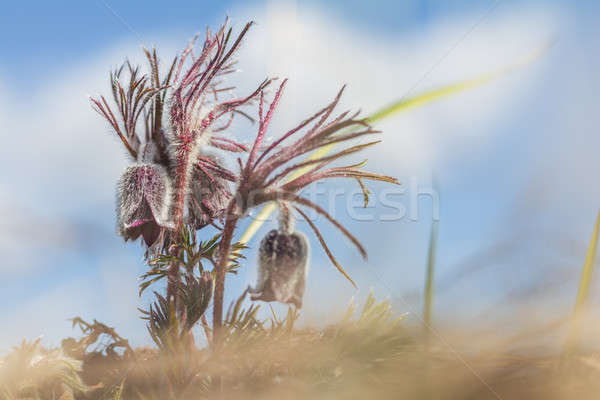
(269, 173)
(282, 262)
(210, 192)
(143, 202)
(174, 157)
(282, 268)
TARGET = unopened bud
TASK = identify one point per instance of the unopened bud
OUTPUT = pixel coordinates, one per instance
(143, 202)
(282, 268)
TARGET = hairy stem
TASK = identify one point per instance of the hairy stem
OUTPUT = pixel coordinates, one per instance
(181, 183)
(221, 270)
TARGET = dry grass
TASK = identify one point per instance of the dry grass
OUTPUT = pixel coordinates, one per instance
(368, 354)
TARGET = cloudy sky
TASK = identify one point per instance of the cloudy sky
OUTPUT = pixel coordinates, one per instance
(515, 160)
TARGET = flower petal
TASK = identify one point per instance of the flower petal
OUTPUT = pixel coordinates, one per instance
(150, 232)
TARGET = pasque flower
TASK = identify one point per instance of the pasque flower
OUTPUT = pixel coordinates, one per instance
(282, 263)
(144, 194)
(175, 179)
(177, 184)
(262, 177)
(210, 192)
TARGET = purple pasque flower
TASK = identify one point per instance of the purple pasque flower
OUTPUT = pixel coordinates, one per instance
(143, 202)
(283, 257)
(209, 192)
(193, 115)
(174, 180)
(282, 268)
(271, 173)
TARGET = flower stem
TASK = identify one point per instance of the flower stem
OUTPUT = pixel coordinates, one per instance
(221, 270)
(181, 184)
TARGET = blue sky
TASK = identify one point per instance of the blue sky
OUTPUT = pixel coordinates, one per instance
(515, 160)
(43, 36)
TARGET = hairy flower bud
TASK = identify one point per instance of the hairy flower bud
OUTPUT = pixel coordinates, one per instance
(282, 268)
(143, 202)
(209, 194)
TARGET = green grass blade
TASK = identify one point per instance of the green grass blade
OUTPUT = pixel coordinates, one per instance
(588, 269)
(430, 272)
(255, 225)
(583, 292)
(435, 94)
(427, 97)
(428, 303)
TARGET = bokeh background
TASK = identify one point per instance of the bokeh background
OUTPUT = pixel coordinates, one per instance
(515, 160)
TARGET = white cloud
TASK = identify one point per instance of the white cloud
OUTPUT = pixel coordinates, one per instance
(63, 150)
(68, 160)
(319, 54)
(62, 165)
(109, 296)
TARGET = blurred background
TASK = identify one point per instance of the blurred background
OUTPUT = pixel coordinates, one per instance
(513, 162)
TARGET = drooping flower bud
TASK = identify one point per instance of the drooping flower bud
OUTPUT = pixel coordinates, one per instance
(209, 194)
(143, 202)
(282, 264)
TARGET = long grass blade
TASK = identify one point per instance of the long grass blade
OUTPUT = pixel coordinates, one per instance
(429, 275)
(583, 292)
